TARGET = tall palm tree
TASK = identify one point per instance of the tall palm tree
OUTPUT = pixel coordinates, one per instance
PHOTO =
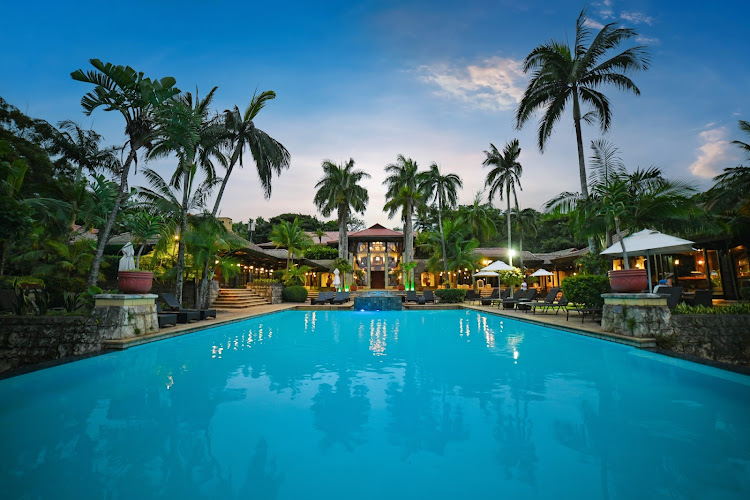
(442, 190)
(339, 190)
(732, 188)
(504, 176)
(403, 193)
(479, 218)
(185, 129)
(564, 74)
(269, 154)
(292, 236)
(122, 89)
(526, 222)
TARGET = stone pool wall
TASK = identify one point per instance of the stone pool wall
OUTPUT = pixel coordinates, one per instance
(28, 340)
(719, 337)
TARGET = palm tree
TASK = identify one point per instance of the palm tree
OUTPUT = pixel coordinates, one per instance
(732, 188)
(526, 222)
(339, 190)
(442, 190)
(319, 233)
(185, 129)
(478, 216)
(565, 75)
(292, 236)
(269, 154)
(122, 89)
(505, 175)
(403, 193)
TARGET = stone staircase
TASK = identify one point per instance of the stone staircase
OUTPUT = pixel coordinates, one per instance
(238, 298)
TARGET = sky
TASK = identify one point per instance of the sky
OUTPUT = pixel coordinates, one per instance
(437, 81)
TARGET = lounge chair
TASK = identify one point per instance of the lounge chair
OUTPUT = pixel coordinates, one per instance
(174, 305)
(487, 301)
(472, 296)
(523, 303)
(411, 296)
(560, 304)
(183, 315)
(429, 296)
(340, 298)
(673, 294)
(511, 303)
(702, 298)
(322, 298)
(549, 301)
(167, 319)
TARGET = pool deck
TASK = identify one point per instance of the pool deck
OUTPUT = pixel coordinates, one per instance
(224, 317)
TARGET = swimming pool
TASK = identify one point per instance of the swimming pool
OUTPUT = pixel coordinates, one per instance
(397, 404)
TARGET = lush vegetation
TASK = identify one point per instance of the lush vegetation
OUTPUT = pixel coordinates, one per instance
(294, 294)
(732, 309)
(586, 289)
(451, 295)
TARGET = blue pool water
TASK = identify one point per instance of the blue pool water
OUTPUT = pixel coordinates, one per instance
(396, 405)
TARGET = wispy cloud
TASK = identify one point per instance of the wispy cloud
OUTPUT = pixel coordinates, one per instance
(637, 18)
(593, 24)
(715, 153)
(647, 40)
(495, 84)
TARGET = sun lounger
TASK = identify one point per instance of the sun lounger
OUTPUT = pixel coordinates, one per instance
(323, 298)
(340, 298)
(549, 301)
(472, 296)
(174, 305)
(523, 303)
(167, 319)
(702, 298)
(411, 296)
(487, 301)
(511, 303)
(429, 296)
(673, 294)
(585, 311)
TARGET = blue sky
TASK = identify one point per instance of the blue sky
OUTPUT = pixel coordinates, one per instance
(436, 81)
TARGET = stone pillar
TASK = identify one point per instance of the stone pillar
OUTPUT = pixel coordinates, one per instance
(276, 289)
(635, 314)
(369, 268)
(123, 316)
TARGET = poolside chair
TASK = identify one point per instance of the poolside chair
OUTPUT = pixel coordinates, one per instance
(174, 305)
(411, 296)
(703, 298)
(673, 294)
(167, 319)
(183, 315)
(429, 296)
(523, 303)
(472, 296)
(495, 295)
(323, 298)
(549, 301)
(340, 298)
(511, 303)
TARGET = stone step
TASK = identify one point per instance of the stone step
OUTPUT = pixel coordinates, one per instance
(238, 298)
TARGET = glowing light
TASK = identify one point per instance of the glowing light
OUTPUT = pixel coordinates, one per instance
(677, 262)
(216, 262)
(700, 262)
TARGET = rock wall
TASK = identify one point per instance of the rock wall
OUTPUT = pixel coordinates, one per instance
(719, 337)
(28, 340)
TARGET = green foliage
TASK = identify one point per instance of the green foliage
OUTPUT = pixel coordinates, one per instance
(745, 293)
(294, 294)
(593, 263)
(733, 309)
(59, 286)
(9, 282)
(511, 277)
(451, 295)
(320, 252)
(586, 289)
(295, 275)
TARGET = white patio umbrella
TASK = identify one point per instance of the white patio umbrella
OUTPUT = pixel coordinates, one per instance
(488, 274)
(498, 265)
(649, 242)
(540, 273)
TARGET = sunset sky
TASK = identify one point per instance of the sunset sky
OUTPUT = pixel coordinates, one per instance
(436, 81)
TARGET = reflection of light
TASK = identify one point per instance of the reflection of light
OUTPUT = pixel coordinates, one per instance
(378, 337)
(170, 381)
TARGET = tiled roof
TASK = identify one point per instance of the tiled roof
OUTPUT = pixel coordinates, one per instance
(377, 231)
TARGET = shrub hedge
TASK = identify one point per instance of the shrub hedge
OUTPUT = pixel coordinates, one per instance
(320, 252)
(733, 309)
(745, 293)
(294, 294)
(451, 295)
(586, 289)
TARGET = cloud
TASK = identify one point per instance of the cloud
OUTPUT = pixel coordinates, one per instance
(593, 24)
(715, 153)
(647, 40)
(495, 84)
(637, 18)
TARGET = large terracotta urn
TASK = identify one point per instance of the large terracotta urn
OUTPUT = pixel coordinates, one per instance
(628, 280)
(134, 281)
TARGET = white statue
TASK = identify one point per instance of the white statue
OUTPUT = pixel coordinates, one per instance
(336, 279)
(127, 262)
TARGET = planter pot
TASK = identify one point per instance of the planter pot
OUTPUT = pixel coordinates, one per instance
(628, 280)
(134, 281)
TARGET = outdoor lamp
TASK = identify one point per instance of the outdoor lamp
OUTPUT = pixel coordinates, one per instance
(677, 262)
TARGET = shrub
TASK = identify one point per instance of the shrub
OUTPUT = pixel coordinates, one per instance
(586, 289)
(294, 294)
(593, 263)
(57, 287)
(511, 278)
(733, 309)
(451, 295)
(320, 252)
(745, 293)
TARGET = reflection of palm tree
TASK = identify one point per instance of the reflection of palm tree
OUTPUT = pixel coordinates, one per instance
(341, 412)
(513, 432)
(262, 480)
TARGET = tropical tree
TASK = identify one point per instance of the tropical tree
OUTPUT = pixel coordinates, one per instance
(268, 154)
(403, 194)
(442, 190)
(565, 75)
(143, 225)
(505, 175)
(732, 189)
(457, 254)
(339, 190)
(479, 218)
(128, 92)
(526, 223)
(319, 233)
(291, 236)
(185, 129)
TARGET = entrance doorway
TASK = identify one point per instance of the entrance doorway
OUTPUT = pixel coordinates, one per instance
(378, 279)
